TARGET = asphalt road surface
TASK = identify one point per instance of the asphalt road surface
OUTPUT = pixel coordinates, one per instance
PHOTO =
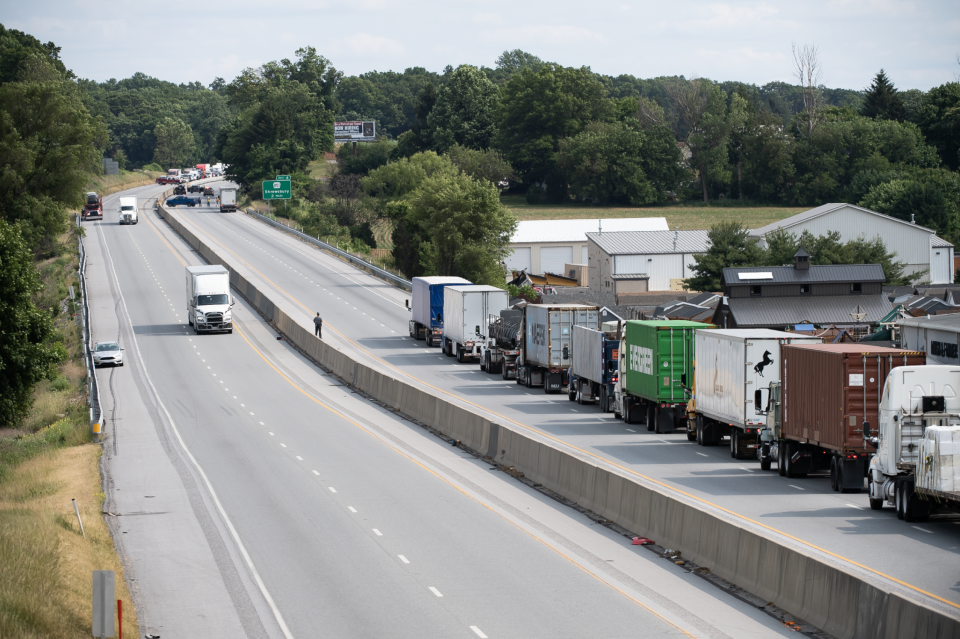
(252, 495)
(365, 316)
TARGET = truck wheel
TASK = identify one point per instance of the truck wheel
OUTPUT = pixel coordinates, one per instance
(691, 434)
(651, 418)
(875, 504)
(447, 347)
(787, 454)
(603, 400)
(571, 392)
(698, 425)
(781, 461)
(459, 353)
(485, 362)
(580, 392)
(898, 499)
(834, 484)
(734, 442)
(765, 463)
(659, 417)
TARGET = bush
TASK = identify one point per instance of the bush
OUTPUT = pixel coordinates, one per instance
(153, 166)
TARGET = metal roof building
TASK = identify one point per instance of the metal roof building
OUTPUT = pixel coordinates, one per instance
(546, 246)
(639, 261)
(917, 246)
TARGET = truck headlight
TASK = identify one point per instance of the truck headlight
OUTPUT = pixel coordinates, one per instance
(201, 318)
(228, 316)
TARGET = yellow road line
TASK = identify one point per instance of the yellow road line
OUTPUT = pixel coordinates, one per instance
(601, 458)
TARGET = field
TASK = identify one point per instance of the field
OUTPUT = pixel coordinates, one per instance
(104, 185)
(684, 217)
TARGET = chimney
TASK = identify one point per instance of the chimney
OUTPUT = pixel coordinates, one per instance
(913, 219)
(676, 234)
(600, 225)
(801, 260)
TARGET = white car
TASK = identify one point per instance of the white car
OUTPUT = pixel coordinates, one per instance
(107, 353)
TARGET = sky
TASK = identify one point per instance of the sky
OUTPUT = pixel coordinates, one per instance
(917, 43)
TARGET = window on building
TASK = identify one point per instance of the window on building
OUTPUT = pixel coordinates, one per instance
(755, 290)
(856, 287)
(804, 289)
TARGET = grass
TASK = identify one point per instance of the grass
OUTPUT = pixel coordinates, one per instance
(321, 169)
(106, 184)
(682, 216)
(45, 461)
(45, 584)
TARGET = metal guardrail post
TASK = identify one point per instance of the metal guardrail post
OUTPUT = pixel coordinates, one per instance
(372, 268)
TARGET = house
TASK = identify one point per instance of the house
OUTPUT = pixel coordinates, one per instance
(916, 246)
(640, 261)
(783, 296)
(545, 246)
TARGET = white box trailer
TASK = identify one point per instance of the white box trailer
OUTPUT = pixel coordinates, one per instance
(129, 211)
(228, 199)
(466, 313)
(730, 365)
(546, 344)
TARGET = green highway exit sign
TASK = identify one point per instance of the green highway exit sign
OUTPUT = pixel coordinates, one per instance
(283, 177)
(277, 189)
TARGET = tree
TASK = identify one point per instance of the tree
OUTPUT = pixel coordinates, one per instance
(206, 115)
(730, 246)
(701, 107)
(465, 111)
(606, 162)
(939, 120)
(26, 357)
(398, 179)
(49, 146)
(808, 70)
(487, 165)
(18, 48)
(540, 108)
(469, 229)
(881, 100)
(931, 197)
(175, 143)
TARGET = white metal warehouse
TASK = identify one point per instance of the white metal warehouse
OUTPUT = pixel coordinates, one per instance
(917, 246)
(640, 261)
(546, 246)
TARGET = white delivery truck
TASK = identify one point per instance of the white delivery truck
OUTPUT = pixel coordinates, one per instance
(917, 465)
(209, 302)
(466, 311)
(426, 306)
(731, 364)
(228, 199)
(129, 213)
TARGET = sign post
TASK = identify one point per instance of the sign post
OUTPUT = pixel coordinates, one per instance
(278, 189)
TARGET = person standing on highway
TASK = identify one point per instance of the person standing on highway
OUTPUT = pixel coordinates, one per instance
(317, 325)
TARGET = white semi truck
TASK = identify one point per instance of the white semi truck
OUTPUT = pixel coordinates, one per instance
(917, 465)
(228, 199)
(129, 212)
(466, 310)
(209, 303)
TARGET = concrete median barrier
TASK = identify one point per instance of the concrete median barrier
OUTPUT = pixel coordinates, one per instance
(822, 592)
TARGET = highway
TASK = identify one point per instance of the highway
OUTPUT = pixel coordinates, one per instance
(252, 495)
(367, 316)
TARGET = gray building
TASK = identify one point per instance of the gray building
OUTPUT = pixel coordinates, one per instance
(917, 246)
(936, 335)
(783, 296)
(640, 261)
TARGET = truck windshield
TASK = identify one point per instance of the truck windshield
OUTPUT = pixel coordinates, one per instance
(210, 300)
(126, 208)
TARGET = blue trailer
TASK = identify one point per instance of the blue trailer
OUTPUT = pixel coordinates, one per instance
(427, 307)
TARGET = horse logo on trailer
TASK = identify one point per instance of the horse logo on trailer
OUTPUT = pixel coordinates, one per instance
(758, 369)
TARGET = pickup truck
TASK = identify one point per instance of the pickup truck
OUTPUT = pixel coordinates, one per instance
(183, 199)
(195, 188)
(168, 179)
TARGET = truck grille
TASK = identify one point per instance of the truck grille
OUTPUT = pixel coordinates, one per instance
(214, 318)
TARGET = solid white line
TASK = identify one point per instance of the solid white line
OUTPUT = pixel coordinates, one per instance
(478, 632)
(352, 509)
(213, 494)
(403, 559)
(332, 489)
(702, 454)
(922, 529)
(435, 591)
(379, 534)
(797, 487)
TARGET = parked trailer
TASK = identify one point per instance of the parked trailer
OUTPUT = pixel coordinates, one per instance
(656, 363)
(730, 365)
(502, 347)
(427, 306)
(827, 392)
(465, 313)
(593, 371)
(917, 466)
(545, 352)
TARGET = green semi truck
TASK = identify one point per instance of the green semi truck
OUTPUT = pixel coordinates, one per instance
(656, 366)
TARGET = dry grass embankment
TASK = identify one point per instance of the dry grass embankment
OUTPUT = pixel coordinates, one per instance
(47, 460)
(684, 217)
(107, 184)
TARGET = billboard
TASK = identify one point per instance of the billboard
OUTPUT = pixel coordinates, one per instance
(365, 131)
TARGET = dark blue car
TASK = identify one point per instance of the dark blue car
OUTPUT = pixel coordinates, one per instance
(183, 199)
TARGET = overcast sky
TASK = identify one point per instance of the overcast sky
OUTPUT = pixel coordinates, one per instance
(916, 42)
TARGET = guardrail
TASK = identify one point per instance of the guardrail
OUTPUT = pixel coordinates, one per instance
(93, 388)
(373, 269)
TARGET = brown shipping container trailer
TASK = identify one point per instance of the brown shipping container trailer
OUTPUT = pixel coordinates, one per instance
(829, 390)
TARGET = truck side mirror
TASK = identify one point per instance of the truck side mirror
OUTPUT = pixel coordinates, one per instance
(566, 352)
(683, 379)
(407, 302)
(866, 430)
(478, 329)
